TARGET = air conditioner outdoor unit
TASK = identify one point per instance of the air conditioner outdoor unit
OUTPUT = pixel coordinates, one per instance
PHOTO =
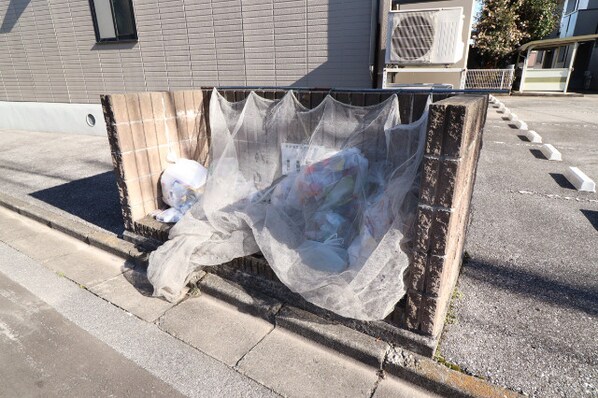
(425, 37)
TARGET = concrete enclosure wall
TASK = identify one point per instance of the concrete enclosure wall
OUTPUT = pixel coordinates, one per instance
(48, 50)
(453, 144)
(144, 128)
(137, 131)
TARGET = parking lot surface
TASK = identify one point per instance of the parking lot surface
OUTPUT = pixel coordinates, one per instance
(526, 306)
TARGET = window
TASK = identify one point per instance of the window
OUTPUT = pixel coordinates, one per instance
(113, 20)
(571, 6)
(562, 54)
(539, 59)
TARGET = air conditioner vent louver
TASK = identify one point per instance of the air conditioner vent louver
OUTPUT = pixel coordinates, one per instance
(425, 37)
(413, 37)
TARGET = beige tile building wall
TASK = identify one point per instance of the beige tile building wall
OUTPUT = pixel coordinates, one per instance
(48, 51)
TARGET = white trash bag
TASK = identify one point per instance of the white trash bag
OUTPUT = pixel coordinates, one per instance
(182, 185)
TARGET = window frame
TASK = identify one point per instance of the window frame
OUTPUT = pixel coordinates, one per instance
(563, 50)
(118, 39)
(575, 6)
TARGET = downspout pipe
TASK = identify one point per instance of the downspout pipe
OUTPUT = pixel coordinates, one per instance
(374, 42)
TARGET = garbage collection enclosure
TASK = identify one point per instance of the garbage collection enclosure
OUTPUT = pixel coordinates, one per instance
(144, 128)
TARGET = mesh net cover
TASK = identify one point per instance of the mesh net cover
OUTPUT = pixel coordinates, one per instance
(328, 195)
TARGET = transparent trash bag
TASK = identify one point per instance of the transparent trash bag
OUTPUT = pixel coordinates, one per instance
(334, 225)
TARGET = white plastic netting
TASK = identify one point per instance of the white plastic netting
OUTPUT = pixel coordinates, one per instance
(328, 195)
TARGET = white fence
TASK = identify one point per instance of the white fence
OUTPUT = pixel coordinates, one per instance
(493, 79)
(546, 79)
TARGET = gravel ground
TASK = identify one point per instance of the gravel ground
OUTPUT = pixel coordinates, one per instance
(527, 314)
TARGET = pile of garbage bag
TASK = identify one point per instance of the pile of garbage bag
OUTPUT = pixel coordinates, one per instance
(327, 195)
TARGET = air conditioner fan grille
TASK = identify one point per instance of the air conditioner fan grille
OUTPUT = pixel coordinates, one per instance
(413, 36)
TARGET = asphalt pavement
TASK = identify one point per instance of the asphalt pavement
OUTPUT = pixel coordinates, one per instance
(71, 175)
(526, 310)
(44, 354)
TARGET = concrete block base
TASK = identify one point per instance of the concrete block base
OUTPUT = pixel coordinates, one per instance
(551, 153)
(533, 137)
(580, 180)
(520, 124)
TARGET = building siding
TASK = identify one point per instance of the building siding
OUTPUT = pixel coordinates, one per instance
(48, 51)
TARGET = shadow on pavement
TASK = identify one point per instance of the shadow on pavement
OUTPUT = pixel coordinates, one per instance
(138, 278)
(522, 137)
(537, 154)
(561, 180)
(592, 217)
(94, 199)
(531, 284)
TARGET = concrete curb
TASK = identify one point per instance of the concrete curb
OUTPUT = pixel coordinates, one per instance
(371, 351)
(349, 342)
(440, 379)
(379, 329)
(94, 237)
(256, 304)
(368, 350)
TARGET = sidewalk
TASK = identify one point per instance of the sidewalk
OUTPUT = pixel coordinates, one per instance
(202, 346)
(526, 308)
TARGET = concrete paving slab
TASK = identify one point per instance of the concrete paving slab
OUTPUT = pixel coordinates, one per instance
(185, 368)
(43, 354)
(47, 244)
(252, 302)
(297, 368)
(12, 228)
(351, 343)
(132, 291)
(215, 327)
(88, 266)
(392, 387)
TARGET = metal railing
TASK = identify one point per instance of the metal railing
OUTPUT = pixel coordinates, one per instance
(492, 79)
